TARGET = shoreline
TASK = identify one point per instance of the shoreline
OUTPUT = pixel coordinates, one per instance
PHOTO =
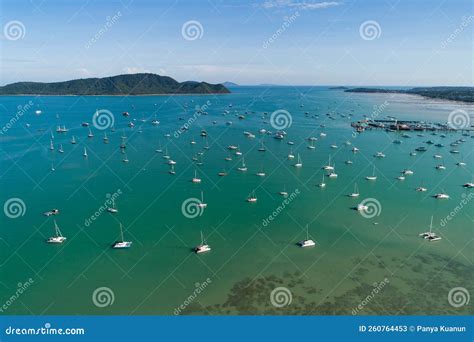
(122, 95)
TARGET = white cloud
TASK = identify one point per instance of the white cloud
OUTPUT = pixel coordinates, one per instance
(299, 5)
(135, 70)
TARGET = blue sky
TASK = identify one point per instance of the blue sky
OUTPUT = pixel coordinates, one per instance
(416, 42)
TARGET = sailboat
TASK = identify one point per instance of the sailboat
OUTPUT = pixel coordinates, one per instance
(122, 243)
(291, 155)
(308, 242)
(373, 177)
(333, 174)
(311, 145)
(52, 167)
(242, 168)
(421, 188)
(284, 193)
(328, 167)
(262, 147)
(51, 145)
(195, 178)
(90, 135)
(73, 140)
(261, 173)
(203, 247)
(125, 159)
(202, 204)
(430, 236)
(112, 209)
(58, 237)
(299, 163)
(155, 122)
(322, 184)
(171, 170)
(356, 191)
(85, 153)
(166, 155)
(106, 138)
(159, 149)
(61, 148)
(252, 198)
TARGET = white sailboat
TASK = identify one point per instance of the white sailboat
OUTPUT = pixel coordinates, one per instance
(122, 243)
(356, 191)
(90, 135)
(195, 178)
(51, 145)
(61, 148)
(203, 247)
(112, 209)
(328, 167)
(252, 198)
(125, 158)
(291, 155)
(242, 168)
(299, 163)
(202, 204)
(73, 140)
(322, 184)
(171, 170)
(106, 138)
(85, 153)
(373, 177)
(58, 237)
(308, 242)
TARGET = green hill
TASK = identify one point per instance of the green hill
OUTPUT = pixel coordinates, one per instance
(134, 84)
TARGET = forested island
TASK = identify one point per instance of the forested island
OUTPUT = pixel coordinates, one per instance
(130, 84)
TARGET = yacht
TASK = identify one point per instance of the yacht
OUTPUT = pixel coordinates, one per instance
(355, 149)
(122, 243)
(469, 185)
(252, 198)
(421, 188)
(308, 242)
(322, 184)
(195, 178)
(125, 159)
(413, 153)
(437, 156)
(458, 163)
(51, 145)
(85, 153)
(284, 193)
(356, 191)
(361, 207)
(90, 135)
(166, 155)
(328, 167)
(202, 204)
(112, 209)
(401, 178)
(373, 177)
(73, 140)
(106, 138)
(379, 155)
(441, 195)
(349, 162)
(203, 247)
(171, 171)
(291, 155)
(58, 237)
(299, 163)
(61, 148)
(430, 236)
(261, 148)
(407, 172)
(51, 212)
(311, 145)
(440, 167)
(242, 168)
(222, 173)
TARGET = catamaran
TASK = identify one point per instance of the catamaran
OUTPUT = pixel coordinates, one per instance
(203, 247)
(122, 243)
(58, 237)
(308, 242)
(430, 236)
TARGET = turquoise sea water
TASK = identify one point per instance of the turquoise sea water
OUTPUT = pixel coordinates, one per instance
(380, 263)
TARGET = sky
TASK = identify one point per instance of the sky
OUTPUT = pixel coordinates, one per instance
(287, 42)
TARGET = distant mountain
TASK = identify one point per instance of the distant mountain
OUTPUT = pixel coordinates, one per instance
(338, 88)
(230, 84)
(463, 94)
(133, 84)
